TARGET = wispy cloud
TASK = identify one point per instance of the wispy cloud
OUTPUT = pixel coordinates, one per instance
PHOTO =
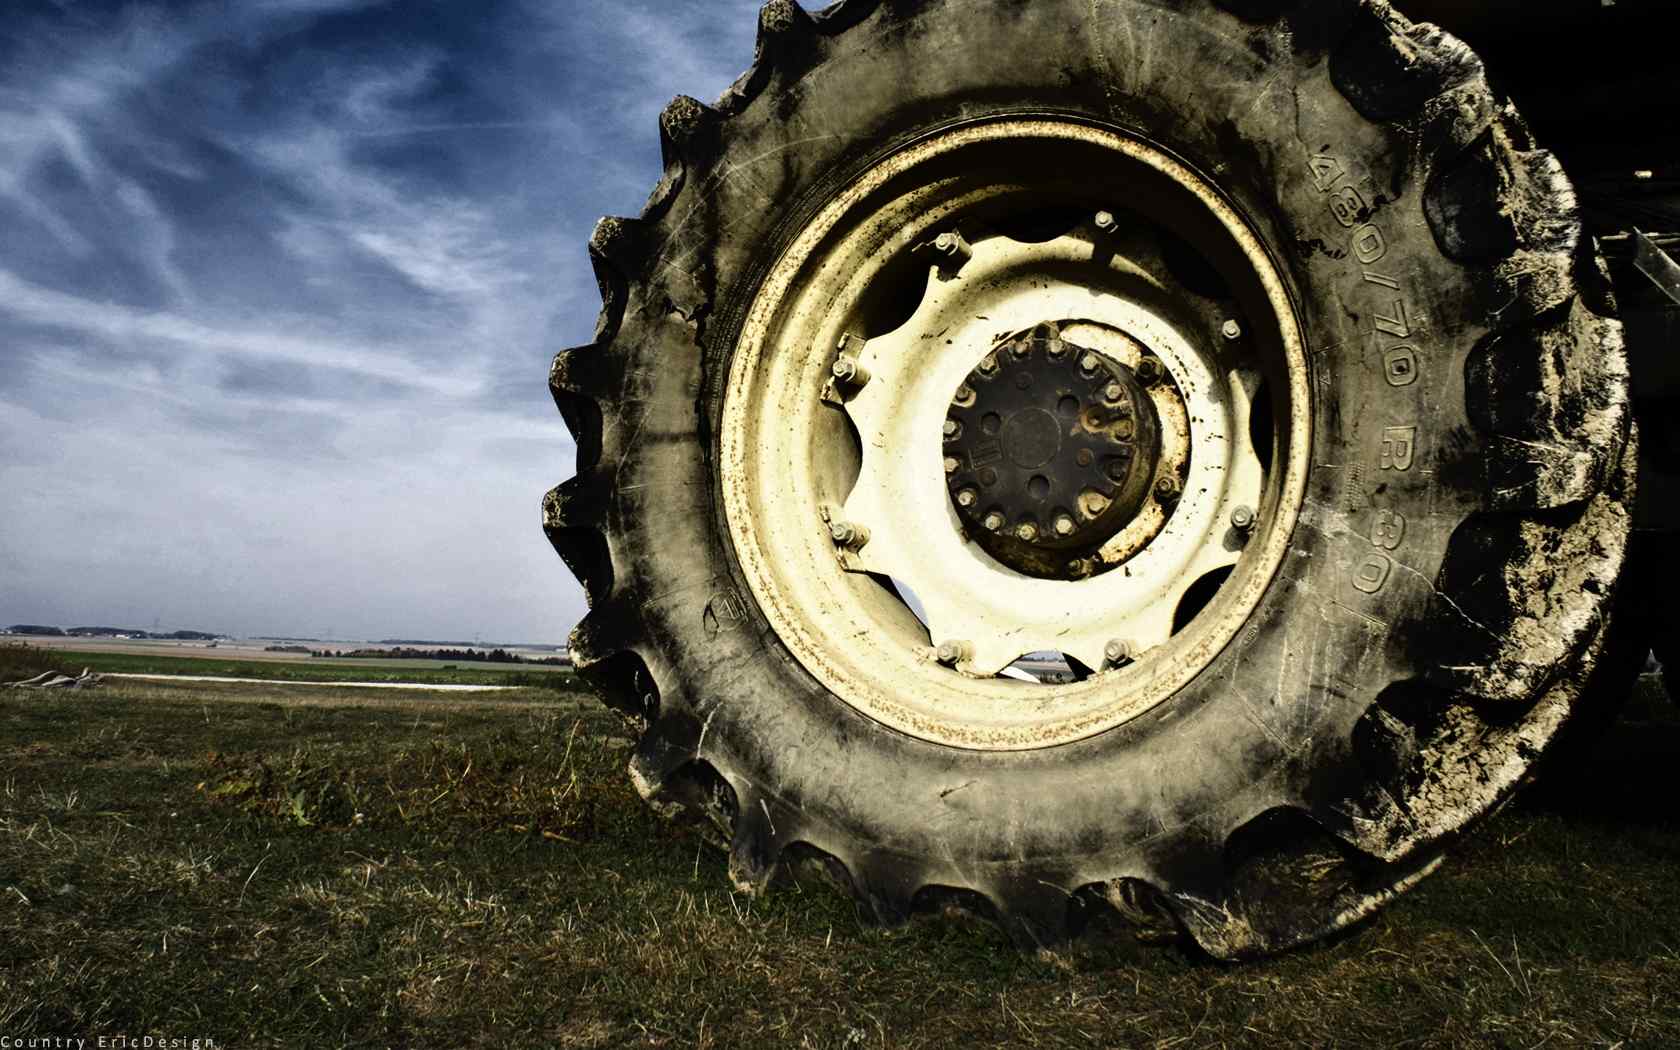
(127, 325)
(278, 292)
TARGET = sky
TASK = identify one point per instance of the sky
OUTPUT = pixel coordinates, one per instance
(280, 281)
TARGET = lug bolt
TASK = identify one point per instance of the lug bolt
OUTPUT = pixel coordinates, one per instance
(988, 365)
(965, 395)
(1027, 531)
(1117, 652)
(1232, 330)
(848, 372)
(1105, 221)
(1088, 364)
(952, 429)
(953, 247)
(1167, 489)
(1022, 348)
(967, 498)
(1242, 519)
(994, 521)
(1148, 370)
(952, 464)
(1113, 393)
(1093, 503)
(848, 535)
(1064, 525)
(951, 653)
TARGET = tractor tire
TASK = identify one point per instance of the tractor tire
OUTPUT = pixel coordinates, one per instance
(1419, 565)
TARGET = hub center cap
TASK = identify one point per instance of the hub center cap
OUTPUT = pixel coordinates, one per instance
(1050, 450)
(1031, 438)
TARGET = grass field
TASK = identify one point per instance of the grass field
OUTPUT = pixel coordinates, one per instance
(264, 867)
(439, 672)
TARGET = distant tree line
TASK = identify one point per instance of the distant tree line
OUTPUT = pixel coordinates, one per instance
(109, 632)
(433, 643)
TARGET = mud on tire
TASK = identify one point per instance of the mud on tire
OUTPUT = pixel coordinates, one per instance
(1446, 585)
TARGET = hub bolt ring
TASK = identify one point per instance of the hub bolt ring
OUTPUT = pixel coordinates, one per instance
(1064, 441)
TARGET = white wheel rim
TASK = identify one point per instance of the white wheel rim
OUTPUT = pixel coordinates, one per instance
(782, 475)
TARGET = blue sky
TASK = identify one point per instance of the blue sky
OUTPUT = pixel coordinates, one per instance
(279, 285)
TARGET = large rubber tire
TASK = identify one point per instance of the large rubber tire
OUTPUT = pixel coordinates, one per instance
(1448, 579)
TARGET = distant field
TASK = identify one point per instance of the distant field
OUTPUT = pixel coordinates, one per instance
(265, 867)
(239, 649)
(331, 669)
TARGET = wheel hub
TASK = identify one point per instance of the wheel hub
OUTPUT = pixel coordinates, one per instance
(1051, 448)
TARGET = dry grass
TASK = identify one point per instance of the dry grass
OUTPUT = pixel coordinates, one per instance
(260, 868)
(19, 661)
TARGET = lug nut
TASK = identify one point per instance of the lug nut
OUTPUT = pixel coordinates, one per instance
(1113, 393)
(1117, 652)
(951, 653)
(965, 395)
(1148, 370)
(1124, 429)
(988, 365)
(1167, 489)
(994, 521)
(952, 429)
(1064, 525)
(1093, 503)
(1232, 330)
(848, 372)
(967, 498)
(1088, 364)
(952, 464)
(847, 535)
(1027, 531)
(1105, 221)
(1242, 519)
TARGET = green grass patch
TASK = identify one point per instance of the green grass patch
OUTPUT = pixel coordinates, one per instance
(265, 868)
(327, 669)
